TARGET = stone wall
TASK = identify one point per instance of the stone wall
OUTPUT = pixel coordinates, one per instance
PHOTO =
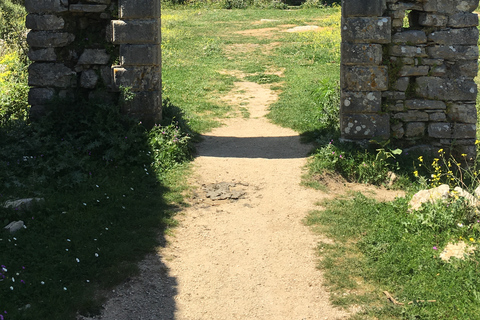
(91, 49)
(407, 72)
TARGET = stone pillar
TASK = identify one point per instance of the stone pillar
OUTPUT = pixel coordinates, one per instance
(363, 75)
(407, 72)
(68, 47)
(138, 32)
(74, 43)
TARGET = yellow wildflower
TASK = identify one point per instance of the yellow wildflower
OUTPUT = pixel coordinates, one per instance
(440, 151)
(420, 158)
(472, 240)
(415, 173)
(464, 155)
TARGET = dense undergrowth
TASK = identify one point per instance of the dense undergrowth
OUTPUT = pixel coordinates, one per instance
(108, 186)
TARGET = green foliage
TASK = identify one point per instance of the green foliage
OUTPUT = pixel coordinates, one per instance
(353, 163)
(392, 250)
(12, 26)
(313, 4)
(170, 147)
(103, 178)
(13, 88)
(13, 62)
(236, 4)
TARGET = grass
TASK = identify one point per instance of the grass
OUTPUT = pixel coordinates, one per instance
(381, 247)
(111, 187)
(198, 61)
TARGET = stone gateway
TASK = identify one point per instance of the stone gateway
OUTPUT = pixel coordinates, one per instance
(407, 72)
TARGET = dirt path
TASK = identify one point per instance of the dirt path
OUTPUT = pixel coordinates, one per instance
(245, 258)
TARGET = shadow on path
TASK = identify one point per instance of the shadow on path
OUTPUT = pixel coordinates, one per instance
(252, 147)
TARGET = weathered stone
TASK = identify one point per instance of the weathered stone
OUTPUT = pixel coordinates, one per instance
(365, 126)
(394, 106)
(410, 71)
(365, 30)
(432, 62)
(44, 6)
(438, 71)
(87, 8)
(55, 75)
(440, 130)
(394, 95)
(146, 106)
(437, 117)
(44, 22)
(22, 204)
(15, 226)
(477, 192)
(94, 56)
(452, 130)
(460, 69)
(463, 20)
(463, 36)
(410, 37)
(361, 54)
(432, 195)
(401, 84)
(138, 78)
(398, 132)
(41, 96)
(135, 32)
(469, 198)
(421, 104)
(373, 78)
(358, 102)
(432, 20)
(88, 79)
(415, 129)
(442, 89)
(412, 116)
(100, 1)
(464, 131)
(407, 51)
(47, 54)
(449, 6)
(139, 9)
(464, 113)
(140, 55)
(47, 39)
(453, 52)
(397, 23)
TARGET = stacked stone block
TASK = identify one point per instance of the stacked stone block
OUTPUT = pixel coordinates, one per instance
(138, 33)
(421, 66)
(73, 44)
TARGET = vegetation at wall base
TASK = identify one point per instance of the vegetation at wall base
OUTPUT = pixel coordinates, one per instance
(108, 190)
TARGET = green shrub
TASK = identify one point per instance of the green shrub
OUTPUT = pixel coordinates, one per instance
(12, 26)
(13, 88)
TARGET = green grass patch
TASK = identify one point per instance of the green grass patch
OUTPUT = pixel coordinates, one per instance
(197, 53)
(263, 78)
(381, 247)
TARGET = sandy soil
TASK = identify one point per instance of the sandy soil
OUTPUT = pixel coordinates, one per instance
(245, 258)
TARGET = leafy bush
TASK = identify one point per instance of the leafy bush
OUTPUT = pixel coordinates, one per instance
(13, 88)
(12, 28)
(313, 4)
(70, 145)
